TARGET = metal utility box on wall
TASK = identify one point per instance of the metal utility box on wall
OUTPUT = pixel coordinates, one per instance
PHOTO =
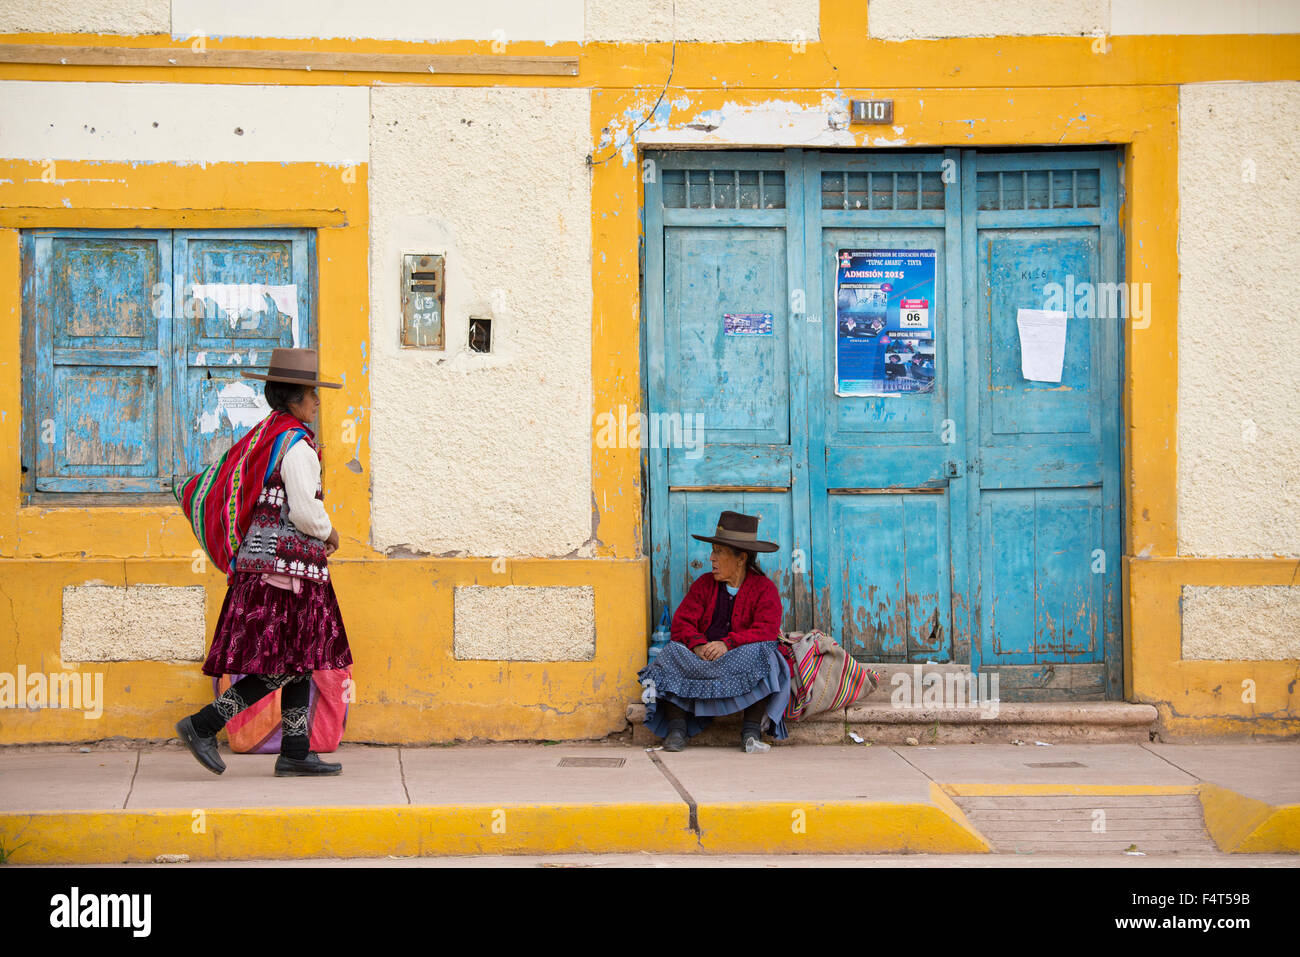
(423, 297)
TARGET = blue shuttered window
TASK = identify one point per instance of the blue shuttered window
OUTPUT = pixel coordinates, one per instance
(134, 342)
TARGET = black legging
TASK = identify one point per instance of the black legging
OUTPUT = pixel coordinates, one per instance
(295, 691)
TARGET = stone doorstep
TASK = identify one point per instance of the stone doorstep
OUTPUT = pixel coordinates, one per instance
(1099, 722)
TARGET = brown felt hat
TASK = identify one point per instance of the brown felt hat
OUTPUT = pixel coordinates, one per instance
(738, 531)
(294, 366)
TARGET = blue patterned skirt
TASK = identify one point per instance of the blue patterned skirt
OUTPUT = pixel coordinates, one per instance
(707, 689)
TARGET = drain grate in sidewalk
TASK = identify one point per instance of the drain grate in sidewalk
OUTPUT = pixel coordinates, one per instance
(1090, 823)
(591, 762)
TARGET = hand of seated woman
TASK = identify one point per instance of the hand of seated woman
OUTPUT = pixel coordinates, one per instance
(711, 651)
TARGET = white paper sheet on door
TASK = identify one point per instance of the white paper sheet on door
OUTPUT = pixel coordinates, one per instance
(1042, 344)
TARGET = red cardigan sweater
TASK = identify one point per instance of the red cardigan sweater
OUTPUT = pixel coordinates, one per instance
(755, 616)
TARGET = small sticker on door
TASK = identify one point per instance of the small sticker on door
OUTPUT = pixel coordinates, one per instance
(747, 323)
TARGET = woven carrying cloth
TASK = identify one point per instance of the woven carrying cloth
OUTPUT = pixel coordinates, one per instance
(707, 689)
(826, 678)
(219, 501)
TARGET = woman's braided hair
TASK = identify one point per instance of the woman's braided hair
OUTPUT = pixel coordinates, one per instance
(280, 394)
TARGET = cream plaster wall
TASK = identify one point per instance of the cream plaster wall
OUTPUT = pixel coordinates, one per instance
(135, 623)
(507, 20)
(514, 623)
(1204, 16)
(1248, 623)
(183, 122)
(484, 454)
(705, 20)
(85, 16)
(1238, 381)
(927, 19)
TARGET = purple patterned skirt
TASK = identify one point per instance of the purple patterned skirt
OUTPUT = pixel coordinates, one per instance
(268, 630)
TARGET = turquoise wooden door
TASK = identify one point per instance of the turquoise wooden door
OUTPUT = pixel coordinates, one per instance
(971, 518)
(886, 467)
(1044, 516)
(723, 364)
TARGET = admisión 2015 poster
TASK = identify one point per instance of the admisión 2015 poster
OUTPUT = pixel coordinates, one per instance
(884, 322)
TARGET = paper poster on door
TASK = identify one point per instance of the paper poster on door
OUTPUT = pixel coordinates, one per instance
(884, 322)
(1042, 344)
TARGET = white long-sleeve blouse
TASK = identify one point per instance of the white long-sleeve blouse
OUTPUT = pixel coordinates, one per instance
(300, 469)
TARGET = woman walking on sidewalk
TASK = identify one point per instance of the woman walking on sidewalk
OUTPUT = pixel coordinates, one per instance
(259, 514)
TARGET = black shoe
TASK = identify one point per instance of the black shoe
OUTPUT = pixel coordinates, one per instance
(676, 740)
(287, 767)
(203, 749)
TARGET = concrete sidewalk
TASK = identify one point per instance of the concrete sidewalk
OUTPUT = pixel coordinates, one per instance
(59, 804)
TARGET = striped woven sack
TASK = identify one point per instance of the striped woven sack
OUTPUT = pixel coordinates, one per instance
(219, 501)
(257, 729)
(825, 677)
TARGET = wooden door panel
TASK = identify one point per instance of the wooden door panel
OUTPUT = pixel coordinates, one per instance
(243, 291)
(722, 365)
(106, 420)
(1017, 269)
(890, 596)
(1045, 514)
(1043, 576)
(739, 383)
(883, 564)
(103, 291)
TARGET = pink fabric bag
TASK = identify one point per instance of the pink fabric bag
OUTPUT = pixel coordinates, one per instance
(257, 729)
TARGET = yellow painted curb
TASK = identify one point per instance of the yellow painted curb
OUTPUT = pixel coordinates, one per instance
(1236, 823)
(1244, 825)
(949, 806)
(835, 827)
(1029, 790)
(221, 834)
(1280, 834)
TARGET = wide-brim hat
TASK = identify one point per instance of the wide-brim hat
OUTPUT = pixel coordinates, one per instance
(294, 367)
(738, 531)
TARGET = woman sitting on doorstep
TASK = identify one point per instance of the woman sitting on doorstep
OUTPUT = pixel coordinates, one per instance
(724, 656)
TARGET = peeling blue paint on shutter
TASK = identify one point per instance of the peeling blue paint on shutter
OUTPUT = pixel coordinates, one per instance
(100, 387)
(244, 293)
(135, 341)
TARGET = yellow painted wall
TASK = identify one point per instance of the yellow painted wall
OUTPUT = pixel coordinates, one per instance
(963, 93)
